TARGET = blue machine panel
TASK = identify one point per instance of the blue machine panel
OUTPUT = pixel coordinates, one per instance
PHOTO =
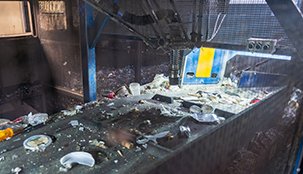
(192, 67)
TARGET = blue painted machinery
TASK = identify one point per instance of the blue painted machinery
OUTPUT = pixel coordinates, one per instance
(208, 65)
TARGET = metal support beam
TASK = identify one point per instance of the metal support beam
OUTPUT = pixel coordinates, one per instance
(291, 20)
(96, 30)
(118, 20)
(87, 54)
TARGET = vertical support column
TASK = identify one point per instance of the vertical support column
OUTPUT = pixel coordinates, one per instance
(87, 54)
(291, 20)
(138, 62)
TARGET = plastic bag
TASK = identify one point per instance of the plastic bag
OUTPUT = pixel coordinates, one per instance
(37, 118)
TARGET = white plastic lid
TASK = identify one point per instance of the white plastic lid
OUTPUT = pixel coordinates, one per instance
(37, 142)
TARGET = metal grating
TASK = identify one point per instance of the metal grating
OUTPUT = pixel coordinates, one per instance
(243, 20)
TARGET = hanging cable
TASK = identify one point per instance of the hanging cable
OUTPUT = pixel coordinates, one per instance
(215, 31)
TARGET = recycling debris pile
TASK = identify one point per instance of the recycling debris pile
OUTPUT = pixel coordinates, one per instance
(110, 79)
(126, 134)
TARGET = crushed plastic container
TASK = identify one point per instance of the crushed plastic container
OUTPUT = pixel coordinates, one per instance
(153, 138)
(83, 158)
(37, 119)
(37, 142)
(206, 118)
(134, 88)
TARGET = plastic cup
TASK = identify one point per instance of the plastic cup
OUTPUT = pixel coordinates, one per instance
(207, 109)
(134, 88)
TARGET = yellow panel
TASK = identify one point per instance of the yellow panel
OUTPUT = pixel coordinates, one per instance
(205, 62)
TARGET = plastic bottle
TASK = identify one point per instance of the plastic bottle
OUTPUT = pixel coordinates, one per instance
(9, 129)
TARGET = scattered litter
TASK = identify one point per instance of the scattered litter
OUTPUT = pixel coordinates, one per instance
(37, 118)
(159, 79)
(222, 119)
(2, 158)
(59, 149)
(255, 100)
(82, 141)
(63, 169)
(81, 128)
(111, 95)
(122, 92)
(119, 152)
(83, 158)
(116, 161)
(15, 156)
(78, 148)
(206, 118)
(18, 139)
(16, 170)
(134, 88)
(127, 144)
(110, 104)
(138, 149)
(37, 142)
(142, 101)
(98, 143)
(185, 131)
(207, 109)
(152, 137)
(190, 98)
(145, 146)
(147, 122)
(195, 109)
(78, 107)
(74, 122)
(69, 113)
(165, 111)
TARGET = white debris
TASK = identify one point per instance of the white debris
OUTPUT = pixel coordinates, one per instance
(78, 107)
(158, 80)
(63, 169)
(2, 158)
(74, 122)
(138, 149)
(18, 139)
(17, 170)
(69, 113)
(116, 161)
(83, 158)
(81, 128)
(145, 146)
(15, 156)
(110, 104)
(37, 118)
